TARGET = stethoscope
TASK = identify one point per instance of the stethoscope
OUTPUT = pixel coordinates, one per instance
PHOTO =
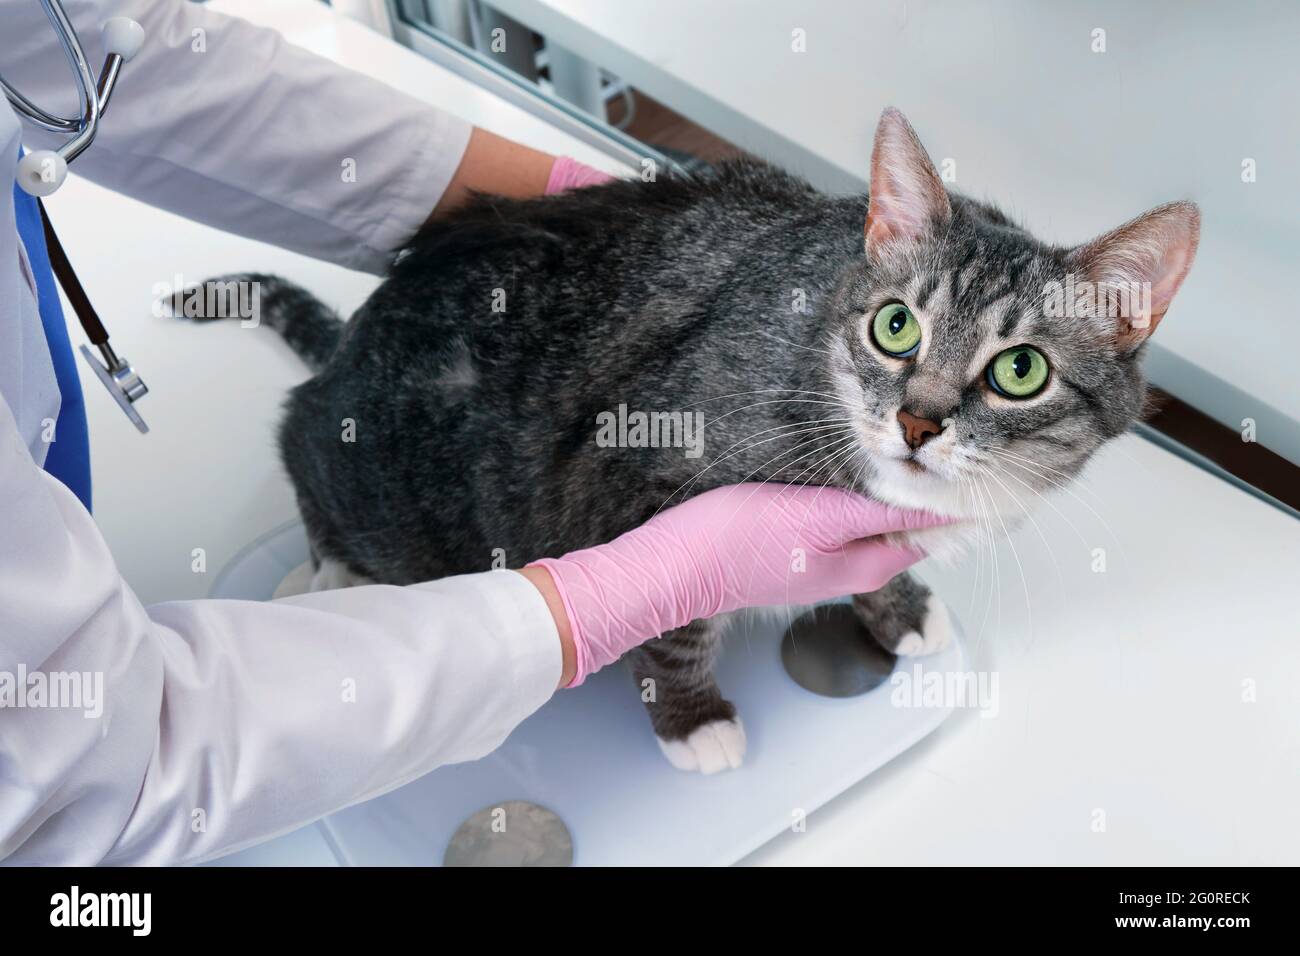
(42, 172)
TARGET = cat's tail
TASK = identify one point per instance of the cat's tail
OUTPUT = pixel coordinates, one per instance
(311, 328)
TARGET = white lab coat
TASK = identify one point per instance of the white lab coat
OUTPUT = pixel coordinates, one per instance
(226, 723)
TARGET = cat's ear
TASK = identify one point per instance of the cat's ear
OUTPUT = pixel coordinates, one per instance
(1136, 269)
(907, 195)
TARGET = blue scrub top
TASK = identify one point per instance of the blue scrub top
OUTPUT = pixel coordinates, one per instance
(69, 456)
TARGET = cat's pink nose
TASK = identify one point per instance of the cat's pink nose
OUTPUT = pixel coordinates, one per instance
(916, 430)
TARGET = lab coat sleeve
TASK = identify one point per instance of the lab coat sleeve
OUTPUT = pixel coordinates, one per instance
(219, 724)
(226, 123)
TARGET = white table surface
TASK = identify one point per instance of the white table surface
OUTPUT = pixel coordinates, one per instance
(1069, 141)
(1123, 693)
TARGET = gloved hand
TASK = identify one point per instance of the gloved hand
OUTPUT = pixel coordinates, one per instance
(568, 173)
(741, 546)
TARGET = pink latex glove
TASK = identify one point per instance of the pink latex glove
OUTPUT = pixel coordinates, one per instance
(568, 173)
(727, 549)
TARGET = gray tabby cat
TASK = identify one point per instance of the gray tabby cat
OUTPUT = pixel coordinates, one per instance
(923, 366)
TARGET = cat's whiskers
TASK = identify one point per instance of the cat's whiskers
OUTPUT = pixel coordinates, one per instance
(775, 401)
(988, 559)
(843, 457)
(768, 391)
(835, 402)
(995, 579)
(863, 471)
(1063, 477)
(839, 435)
(808, 425)
(1069, 491)
(832, 426)
(1044, 498)
(1058, 483)
(1060, 577)
(828, 441)
(840, 459)
(818, 465)
(829, 448)
(794, 345)
(1024, 582)
(825, 462)
(968, 490)
(826, 447)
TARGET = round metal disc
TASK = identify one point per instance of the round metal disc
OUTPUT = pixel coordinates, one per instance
(513, 833)
(115, 389)
(829, 652)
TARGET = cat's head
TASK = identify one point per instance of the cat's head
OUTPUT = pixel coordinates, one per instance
(978, 363)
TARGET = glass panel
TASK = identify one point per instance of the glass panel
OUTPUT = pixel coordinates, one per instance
(561, 80)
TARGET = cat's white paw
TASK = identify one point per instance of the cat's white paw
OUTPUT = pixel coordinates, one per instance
(936, 632)
(332, 575)
(710, 748)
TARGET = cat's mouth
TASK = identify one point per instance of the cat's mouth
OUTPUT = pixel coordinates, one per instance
(910, 478)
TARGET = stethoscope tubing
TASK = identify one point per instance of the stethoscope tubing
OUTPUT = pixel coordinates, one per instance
(46, 169)
(85, 127)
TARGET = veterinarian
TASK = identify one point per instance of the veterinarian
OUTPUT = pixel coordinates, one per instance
(182, 731)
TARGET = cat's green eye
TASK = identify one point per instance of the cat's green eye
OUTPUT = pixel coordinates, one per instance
(1019, 372)
(896, 330)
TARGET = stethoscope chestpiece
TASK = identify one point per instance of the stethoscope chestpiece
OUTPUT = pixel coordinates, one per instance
(121, 380)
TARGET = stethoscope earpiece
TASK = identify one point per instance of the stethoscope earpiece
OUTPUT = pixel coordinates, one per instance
(42, 172)
(122, 37)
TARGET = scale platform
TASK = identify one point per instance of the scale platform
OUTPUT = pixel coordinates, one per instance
(590, 757)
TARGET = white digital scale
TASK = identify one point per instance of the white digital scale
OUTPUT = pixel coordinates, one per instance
(590, 758)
